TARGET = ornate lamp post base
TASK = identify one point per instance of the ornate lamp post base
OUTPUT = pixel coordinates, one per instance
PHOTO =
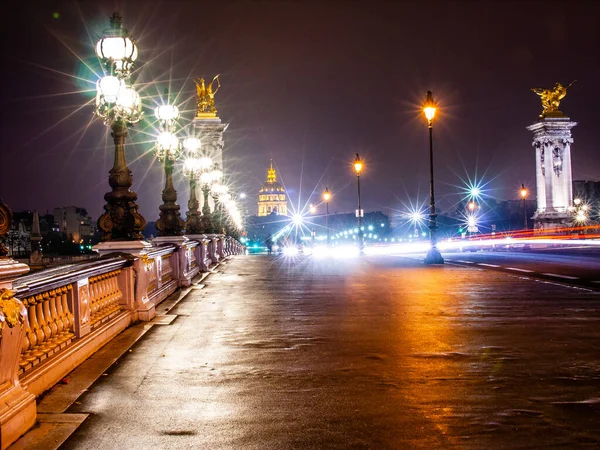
(433, 256)
(193, 223)
(121, 220)
(170, 222)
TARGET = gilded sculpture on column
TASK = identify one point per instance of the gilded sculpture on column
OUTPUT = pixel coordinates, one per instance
(205, 97)
(551, 99)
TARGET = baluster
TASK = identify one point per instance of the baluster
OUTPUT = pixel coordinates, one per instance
(53, 317)
(46, 319)
(111, 293)
(103, 293)
(93, 297)
(107, 294)
(60, 314)
(117, 296)
(39, 323)
(34, 350)
(68, 312)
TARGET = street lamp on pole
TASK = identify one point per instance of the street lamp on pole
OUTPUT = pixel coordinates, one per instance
(326, 198)
(120, 107)
(358, 167)
(433, 255)
(192, 169)
(168, 150)
(524, 196)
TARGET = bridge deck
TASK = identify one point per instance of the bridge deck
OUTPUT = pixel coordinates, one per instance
(274, 354)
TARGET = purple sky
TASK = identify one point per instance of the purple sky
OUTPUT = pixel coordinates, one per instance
(308, 84)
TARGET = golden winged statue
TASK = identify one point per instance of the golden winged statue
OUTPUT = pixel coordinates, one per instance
(205, 97)
(551, 99)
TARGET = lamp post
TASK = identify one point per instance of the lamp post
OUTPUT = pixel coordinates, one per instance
(524, 196)
(358, 167)
(119, 106)
(216, 189)
(433, 255)
(191, 169)
(326, 198)
(168, 150)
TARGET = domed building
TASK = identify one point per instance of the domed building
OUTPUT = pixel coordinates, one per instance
(272, 198)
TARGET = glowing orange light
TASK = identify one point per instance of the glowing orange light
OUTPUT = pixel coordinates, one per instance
(523, 191)
(430, 107)
(358, 164)
(326, 195)
(472, 205)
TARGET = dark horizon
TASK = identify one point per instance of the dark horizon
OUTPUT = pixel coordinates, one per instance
(309, 85)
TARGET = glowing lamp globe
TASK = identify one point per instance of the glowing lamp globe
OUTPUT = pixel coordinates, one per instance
(429, 107)
(167, 113)
(191, 144)
(108, 88)
(190, 166)
(129, 101)
(523, 191)
(168, 142)
(326, 195)
(358, 164)
(116, 48)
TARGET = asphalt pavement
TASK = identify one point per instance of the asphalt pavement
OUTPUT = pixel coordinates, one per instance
(373, 353)
(575, 268)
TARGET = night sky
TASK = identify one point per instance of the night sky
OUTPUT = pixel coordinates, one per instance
(308, 84)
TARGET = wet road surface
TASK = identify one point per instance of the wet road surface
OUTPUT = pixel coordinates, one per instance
(578, 269)
(375, 353)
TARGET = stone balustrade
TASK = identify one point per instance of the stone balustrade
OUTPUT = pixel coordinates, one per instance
(67, 313)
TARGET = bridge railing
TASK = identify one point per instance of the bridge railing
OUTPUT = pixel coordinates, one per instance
(53, 320)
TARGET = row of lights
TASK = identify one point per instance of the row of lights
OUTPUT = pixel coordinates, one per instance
(119, 106)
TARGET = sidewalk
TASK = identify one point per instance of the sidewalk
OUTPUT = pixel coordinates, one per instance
(276, 354)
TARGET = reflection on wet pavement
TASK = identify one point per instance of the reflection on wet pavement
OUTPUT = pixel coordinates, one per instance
(278, 354)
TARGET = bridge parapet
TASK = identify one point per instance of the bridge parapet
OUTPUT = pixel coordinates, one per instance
(60, 316)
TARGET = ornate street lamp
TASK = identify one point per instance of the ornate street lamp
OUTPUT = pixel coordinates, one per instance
(326, 198)
(206, 178)
(192, 169)
(358, 167)
(168, 151)
(523, 193)
(433, 255)
(119, 106)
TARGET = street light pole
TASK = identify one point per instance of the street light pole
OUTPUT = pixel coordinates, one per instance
(433, 255)
(358, 166)
(524, 195)
(326, 197)
(168, 151)
(119, 106)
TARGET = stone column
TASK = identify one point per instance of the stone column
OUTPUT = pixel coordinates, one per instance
(210, 130)
(552, 142)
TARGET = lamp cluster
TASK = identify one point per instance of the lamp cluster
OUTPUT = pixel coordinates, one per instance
(115, 99)
(119, 106)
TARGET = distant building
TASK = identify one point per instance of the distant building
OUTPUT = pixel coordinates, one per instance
(272, 198)
(74, 222)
